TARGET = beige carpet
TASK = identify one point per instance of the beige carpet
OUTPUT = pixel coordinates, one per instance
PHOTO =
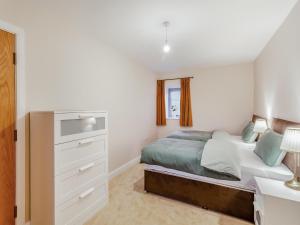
(130, 205)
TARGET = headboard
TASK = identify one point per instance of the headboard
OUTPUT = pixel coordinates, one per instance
(279, 126)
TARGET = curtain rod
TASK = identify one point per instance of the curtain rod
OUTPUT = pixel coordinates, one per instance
(177, 78)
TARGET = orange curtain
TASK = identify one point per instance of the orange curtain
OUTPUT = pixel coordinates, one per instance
(160, 103)
(186, 119)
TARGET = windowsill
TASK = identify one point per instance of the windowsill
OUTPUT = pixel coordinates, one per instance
(173, 118)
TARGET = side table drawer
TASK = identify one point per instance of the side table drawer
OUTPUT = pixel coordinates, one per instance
(258, 214)
(259, 201)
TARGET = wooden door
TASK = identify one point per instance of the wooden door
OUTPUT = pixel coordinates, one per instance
(7, 127)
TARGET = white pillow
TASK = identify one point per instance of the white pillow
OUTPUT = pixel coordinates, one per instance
(221, 135)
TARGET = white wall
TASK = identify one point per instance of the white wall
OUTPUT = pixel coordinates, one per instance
(69, 67)
(222, 98)
(277, 72)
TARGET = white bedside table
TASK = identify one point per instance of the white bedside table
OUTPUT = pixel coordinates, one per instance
(276, 204)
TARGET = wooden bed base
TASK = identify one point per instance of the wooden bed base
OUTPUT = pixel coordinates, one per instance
(233, 202)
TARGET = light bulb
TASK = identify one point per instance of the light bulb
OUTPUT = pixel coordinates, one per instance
(166, 48)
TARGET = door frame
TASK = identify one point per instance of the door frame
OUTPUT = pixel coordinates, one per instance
(20, 117)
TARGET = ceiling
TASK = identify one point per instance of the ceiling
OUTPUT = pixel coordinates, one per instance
(202, 32)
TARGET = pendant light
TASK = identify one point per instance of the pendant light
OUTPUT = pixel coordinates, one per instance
(166, 47)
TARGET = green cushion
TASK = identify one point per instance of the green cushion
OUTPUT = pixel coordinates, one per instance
(268, 148)
(248, 135)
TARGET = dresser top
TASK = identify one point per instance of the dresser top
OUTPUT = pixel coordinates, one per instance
(71, 111)
(277, 189)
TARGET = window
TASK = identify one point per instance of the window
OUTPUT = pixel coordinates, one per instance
(173, 103)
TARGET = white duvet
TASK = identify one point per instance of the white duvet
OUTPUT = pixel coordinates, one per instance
(223, 156)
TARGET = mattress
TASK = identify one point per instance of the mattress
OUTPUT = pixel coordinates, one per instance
(251, 166)
(243, 184)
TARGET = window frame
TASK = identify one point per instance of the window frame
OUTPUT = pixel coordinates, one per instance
(170, 90)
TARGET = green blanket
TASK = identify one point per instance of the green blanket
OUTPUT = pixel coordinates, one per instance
(194, 135)
(178, 154)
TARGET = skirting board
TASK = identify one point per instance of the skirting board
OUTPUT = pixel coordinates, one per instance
(124, 167)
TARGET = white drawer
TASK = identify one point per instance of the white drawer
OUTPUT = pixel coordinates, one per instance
(68, 184)
(258, 214)
(74, 126)
(259, 201)
(70, 155)
(71, 212)
(89, 213)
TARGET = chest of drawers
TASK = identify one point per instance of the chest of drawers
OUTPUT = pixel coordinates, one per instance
(68, 166)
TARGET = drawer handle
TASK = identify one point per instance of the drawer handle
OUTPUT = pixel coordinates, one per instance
(86, 193)
(86, 141)
(88, 166)
(86, 116)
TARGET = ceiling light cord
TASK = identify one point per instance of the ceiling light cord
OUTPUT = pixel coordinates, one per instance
(166, 40)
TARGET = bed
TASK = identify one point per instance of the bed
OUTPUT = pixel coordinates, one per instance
(218, 192)
(179, 154)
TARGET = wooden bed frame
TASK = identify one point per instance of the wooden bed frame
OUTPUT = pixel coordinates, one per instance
(231, 201)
